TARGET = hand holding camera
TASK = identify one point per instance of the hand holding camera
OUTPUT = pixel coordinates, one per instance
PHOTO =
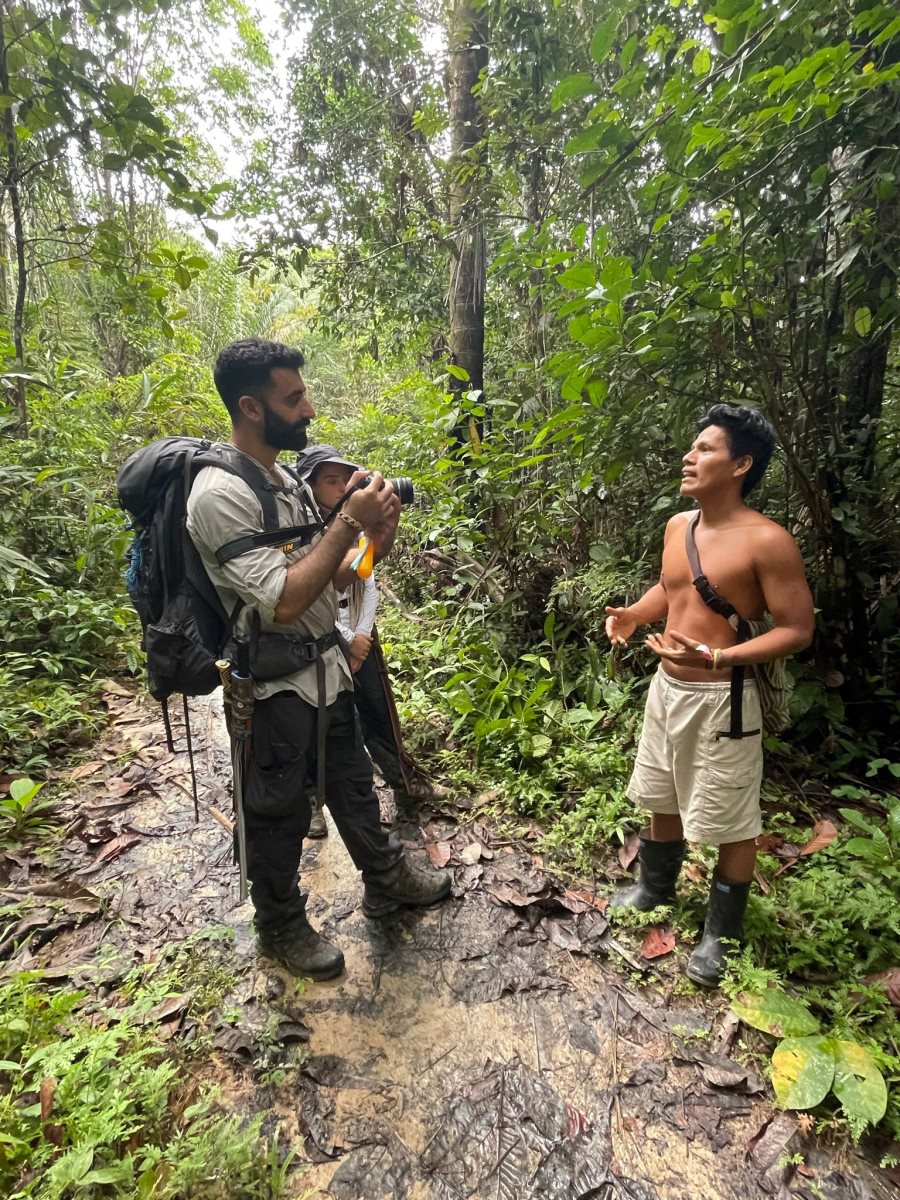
(371, 501)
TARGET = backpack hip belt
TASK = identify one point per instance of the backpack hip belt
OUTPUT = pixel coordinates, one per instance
(275, 655)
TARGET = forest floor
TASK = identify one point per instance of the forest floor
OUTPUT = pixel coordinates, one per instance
(505, 1044)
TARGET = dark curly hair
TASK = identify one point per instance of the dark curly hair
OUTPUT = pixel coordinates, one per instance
(747, 432)
(244, 369)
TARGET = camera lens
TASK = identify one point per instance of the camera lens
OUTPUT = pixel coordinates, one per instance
(403, 487)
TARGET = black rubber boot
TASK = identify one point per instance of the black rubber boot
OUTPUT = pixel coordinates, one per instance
(302, 950)
(722, 928)
(659, 864)
(408, 884)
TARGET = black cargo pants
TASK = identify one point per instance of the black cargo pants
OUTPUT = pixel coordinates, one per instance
(276, 802)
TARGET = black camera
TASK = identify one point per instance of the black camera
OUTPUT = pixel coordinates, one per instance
(402, 485)
(403, 488)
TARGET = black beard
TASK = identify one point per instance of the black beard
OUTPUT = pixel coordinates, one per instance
(282, 435)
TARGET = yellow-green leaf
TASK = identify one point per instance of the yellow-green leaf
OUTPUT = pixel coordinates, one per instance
(773, 1011)
(702, 62)
(803, 1071)
(858, 1083)
(862, 321)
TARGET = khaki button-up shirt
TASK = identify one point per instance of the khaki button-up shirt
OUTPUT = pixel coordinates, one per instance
(221, 507)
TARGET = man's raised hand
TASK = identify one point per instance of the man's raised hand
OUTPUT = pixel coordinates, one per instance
(676, 648)
(620, 625)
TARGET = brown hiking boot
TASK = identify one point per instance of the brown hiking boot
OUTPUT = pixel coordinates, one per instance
(408, 884)
(318, 826)
(408, 799)
(302, 950)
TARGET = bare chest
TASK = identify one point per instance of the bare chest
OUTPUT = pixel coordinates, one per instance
(726, 559)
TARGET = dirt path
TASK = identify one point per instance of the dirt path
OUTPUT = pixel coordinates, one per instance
(502, 1045)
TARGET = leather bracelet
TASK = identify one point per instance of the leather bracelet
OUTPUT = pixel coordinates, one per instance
(351, 521)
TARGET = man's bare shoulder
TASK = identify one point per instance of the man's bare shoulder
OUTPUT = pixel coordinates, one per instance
(765, 532)
(772, 546)
(679, 521)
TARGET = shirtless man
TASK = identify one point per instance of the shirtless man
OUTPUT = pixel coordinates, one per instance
(700, 784)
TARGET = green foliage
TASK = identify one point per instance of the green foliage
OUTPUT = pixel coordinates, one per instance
(41, 719)
(717, 285)
(117, 1111)
(806, 1065)
(24, 811)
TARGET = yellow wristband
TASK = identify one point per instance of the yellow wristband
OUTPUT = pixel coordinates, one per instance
(351, 521)
(716, 655)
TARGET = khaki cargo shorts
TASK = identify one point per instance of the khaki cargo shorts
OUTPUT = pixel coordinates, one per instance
(683, 769)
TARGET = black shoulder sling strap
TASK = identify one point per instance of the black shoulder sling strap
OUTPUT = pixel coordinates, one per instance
(724, 608)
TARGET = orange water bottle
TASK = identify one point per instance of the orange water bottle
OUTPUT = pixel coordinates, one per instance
(364, 563)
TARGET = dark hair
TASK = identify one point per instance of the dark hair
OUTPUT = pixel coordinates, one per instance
(747, 432)
(244, 369)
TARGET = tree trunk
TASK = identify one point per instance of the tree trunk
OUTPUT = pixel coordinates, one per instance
(468, 58)
(861, 557)
(11, 183)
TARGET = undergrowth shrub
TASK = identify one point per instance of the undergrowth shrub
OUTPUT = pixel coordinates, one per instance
(93, 1104)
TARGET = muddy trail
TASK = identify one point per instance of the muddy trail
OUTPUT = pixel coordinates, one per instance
(506, 1044)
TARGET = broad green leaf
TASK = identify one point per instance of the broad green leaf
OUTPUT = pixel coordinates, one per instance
(862, 321)
(23, 791)
(890, 31)
(580, 276)
(72, 1167)
(573, 87)
(858, 1083)
(625, 58)
(601, 42)
(803, 1071)
(705, 136)
(14, 561)
(588, 139)
(541, 745)
(115, 1174)
(702, 62)
(114, 162)
(773, 1011)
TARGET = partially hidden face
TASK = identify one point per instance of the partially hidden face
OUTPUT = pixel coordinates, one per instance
(329, 484)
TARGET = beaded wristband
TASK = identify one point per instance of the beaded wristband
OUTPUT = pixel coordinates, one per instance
(351, 521)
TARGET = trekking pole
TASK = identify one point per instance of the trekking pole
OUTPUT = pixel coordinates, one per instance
(404, 759)
(238, 685)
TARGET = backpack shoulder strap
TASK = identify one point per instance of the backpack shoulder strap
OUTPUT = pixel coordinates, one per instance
(291, 538)
(230, 459)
